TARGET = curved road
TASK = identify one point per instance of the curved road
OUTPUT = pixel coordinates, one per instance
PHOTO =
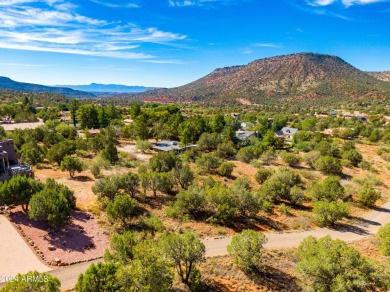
(362, 227)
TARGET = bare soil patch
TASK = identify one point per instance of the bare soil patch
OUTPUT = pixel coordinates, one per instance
(278, 275)
(81, 240)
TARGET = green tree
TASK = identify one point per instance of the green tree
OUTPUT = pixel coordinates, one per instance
(383, 235)
(246, 250)
(353, 156)
(32, 153)
(328, 213)
(209, 141)
(291, 159)
(226, 150)
(99, 277)
(226, 169)
(120, 208)
(184, 251)
(33, 281)
(149, 271)
(328, 165)
(208, 162)
(51, 206)
(367, 195)
(191, 201)
(163, 162)
(143, 145)
(58, 152)
(330, 265)
(106, 187)
(121, 248)
(72, 164)
(129, 182)
(248, 202)
(263, 174)
(223, 203)
(19, 190)
(328, 190)
(183, 175)
(73, 107)
(110, 153)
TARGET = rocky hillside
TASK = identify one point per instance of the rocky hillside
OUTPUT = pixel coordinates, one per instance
(9, 84)
(300, 76)
(384, 76)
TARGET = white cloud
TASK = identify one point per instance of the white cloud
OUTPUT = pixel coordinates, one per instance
(116, 5)
(346, 3)
(267, 45)
(56, 27)
(181, 3)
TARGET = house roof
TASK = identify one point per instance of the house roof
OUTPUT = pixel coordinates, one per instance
(285, 131)
(244, 135)
(168, 145)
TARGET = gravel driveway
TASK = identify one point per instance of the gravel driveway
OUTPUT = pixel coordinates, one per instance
(15, 255)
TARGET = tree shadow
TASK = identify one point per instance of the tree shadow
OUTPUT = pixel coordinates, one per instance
(81, 178)
(71, 237)
(275, 280)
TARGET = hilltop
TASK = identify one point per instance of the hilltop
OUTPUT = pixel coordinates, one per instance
(300, 76)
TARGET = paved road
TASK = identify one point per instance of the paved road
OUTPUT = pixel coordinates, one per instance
(214, 247)
(362, 227)
(15, 255)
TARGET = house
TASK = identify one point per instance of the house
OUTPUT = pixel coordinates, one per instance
(286, 133)
(242, 135)
(333, 112)
(9, 164)
(168, 146)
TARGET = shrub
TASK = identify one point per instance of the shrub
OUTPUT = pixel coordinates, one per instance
(328, 165)
(367, 195)
(263, 174)
(384, 238)
(311, 157)
(72, 164)
(353, 156)
(291, 159)
(208, 162)
(330, 265)
(246, 250)
(226, 169)
(226, 150)
(121, 208)
(247, 154)
(328, 190)
(95, 170)
(328, 213)
(99, 277)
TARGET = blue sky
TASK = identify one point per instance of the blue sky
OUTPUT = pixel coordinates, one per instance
(172, 42)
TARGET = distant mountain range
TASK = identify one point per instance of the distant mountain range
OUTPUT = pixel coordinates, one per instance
(108, 88)
(73, 91)
(7, 83)
(384, 76)
(300, 76)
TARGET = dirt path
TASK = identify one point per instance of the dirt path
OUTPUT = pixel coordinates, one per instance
(22, 126)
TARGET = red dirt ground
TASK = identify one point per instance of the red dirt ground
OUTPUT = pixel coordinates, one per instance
(79, 241)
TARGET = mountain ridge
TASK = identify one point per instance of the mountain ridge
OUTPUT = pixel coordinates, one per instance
(9, 84)
(301, 75)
